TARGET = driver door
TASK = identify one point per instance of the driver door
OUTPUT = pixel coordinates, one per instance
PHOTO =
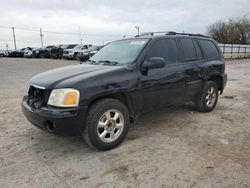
(161, 87)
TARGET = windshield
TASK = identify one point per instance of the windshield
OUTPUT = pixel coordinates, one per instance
(64, 46)
(121, 52)
(71, 46)
(49, 46)
(78, 46)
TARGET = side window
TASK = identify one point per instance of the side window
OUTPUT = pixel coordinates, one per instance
(198, 50)
(209, 49)
(188, 49)
(165, 48)
(85, 47)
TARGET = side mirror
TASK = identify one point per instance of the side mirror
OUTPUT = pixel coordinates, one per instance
(153, 63)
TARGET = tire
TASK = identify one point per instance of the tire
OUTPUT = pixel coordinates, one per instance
(98, 124)
(41, 55)
(75, 56)
(208, 98)
(60, 55)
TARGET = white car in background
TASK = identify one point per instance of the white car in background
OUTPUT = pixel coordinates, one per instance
(28, 52)
(84, 55)
(71, 52)
(3, 53)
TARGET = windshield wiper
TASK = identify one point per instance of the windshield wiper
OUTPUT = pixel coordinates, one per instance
(108, 62)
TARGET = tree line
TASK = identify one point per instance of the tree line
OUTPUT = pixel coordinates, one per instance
(233, 31)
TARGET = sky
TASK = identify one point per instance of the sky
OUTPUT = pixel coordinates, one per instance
(105, 20)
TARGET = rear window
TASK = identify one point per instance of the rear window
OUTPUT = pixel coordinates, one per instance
(209, 49)
(188, 48)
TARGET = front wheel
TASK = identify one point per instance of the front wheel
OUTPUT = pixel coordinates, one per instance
(75, 56)
(208, 98)
(107, 124)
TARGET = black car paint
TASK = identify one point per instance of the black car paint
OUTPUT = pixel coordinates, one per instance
(18, 53)
(56, 52)
(140, 91)
(42, 52)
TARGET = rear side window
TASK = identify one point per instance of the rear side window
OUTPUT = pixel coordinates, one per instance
(209, 49)
(166, 49)
(188, 49)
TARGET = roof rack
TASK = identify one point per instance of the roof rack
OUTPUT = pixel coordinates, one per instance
(170, 33)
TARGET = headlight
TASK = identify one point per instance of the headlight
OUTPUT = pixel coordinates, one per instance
(64, 97)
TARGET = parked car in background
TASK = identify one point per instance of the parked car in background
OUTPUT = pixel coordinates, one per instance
(84, 55)
(57, 51)
(36, 52)
(71, 52)
(28, 53)
(19, 53)
(68, 52)
(94, 50)
(42, 52)
(3, 53)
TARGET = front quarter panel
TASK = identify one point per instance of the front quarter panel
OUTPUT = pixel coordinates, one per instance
(118, 81)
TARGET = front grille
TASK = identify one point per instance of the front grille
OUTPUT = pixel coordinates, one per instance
(37, 98)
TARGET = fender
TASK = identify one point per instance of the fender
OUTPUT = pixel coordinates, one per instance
(124, 97)
(218, 79)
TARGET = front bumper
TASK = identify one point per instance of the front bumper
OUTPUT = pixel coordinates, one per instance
(69, 121)
(68, 56)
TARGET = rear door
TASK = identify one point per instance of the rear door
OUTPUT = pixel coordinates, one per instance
(213, 55)
(193, 59)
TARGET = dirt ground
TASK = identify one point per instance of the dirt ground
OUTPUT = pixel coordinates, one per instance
(177, 147)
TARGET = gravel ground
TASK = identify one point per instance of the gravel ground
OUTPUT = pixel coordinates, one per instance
(177, 147)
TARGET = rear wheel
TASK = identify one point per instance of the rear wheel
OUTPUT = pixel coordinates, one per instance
(107, 124)
(208, 98)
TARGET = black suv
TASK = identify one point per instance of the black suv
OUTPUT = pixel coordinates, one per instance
(42, 52)
(99, 99)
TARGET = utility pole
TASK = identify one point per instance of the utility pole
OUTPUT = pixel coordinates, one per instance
(41, 36)
(80, 38)
(7, 46)
(138, 29)
(14, 36)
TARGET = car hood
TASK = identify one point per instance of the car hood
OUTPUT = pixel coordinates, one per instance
(69, 75)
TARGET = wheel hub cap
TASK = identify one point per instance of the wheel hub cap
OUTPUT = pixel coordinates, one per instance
(211, 97)
(110, 125)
